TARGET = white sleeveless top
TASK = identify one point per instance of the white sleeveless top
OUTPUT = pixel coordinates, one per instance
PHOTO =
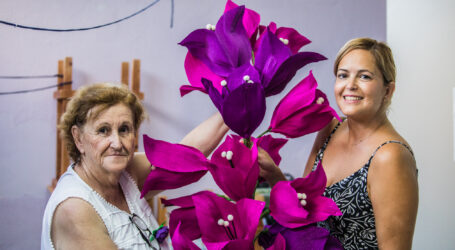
(121, 230)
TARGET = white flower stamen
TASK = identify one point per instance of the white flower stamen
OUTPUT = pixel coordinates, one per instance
(210, 26)
(249, 81)
(226, 223)
(230, 217)
(220, 222)
(303, 202)
(229, 155)
(320, 100)
(246, 78)
(223, 154)
(223, 83)
(284, 40)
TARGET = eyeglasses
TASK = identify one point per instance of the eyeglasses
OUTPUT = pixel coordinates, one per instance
(145, 232)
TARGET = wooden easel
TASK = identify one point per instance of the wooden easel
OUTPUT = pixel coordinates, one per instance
(62, 95)
(135, 81)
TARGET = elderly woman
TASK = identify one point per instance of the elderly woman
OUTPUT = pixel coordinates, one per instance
(96, 203)
(371, 171)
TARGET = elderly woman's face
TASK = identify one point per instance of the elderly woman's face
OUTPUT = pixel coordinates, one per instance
(107, 140)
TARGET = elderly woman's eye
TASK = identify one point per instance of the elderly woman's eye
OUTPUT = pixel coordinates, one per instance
(125, 129)
(103, 130)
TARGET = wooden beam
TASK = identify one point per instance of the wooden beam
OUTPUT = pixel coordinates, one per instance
(136, 79)
(125, 73)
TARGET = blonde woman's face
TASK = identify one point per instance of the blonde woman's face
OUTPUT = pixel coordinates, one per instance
(359, 85)
(107, 140)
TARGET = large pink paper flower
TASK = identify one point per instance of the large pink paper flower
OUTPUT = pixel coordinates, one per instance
(303, 110)
(300, 202)
(187, 165)
(235, 169)
(225, 224)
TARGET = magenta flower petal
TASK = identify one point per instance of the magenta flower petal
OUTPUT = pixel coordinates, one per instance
(251, 18)
(272, 146)
(302, 111)
(180, 241)
(242, 218)
(295, 39)
(184, 215)
(288, 69)
(184, 158)
(186, 166)
(287, 208)
(195, 71)
(162, 179)
(187, 219)
(186, 89)
(317, 185)
(239, 179)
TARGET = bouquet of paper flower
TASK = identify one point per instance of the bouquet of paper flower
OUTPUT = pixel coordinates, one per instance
(239, 63)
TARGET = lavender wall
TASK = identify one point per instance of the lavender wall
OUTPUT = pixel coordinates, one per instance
(27, 121)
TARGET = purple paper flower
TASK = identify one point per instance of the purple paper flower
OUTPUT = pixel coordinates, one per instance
(303, 110)
(161, 234)
(235, 169)
(300, 202)
(225, 224)
(187, 165)
(307, 237)
(242, 108)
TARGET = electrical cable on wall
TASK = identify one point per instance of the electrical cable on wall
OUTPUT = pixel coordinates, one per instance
(31, 77)
(36, 89)
(79, 29)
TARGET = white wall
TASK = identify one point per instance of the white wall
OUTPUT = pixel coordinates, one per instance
(27, 121)
(422, 36)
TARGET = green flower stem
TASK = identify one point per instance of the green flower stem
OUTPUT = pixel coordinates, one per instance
(265, 132)
(265, 212)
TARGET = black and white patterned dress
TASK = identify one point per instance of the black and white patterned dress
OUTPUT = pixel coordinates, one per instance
(356, 227)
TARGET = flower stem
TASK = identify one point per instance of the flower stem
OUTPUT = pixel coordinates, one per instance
(247, 142)
(265, 132)
(265, 212)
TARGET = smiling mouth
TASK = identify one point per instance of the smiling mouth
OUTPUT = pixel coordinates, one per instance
(352, 98)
